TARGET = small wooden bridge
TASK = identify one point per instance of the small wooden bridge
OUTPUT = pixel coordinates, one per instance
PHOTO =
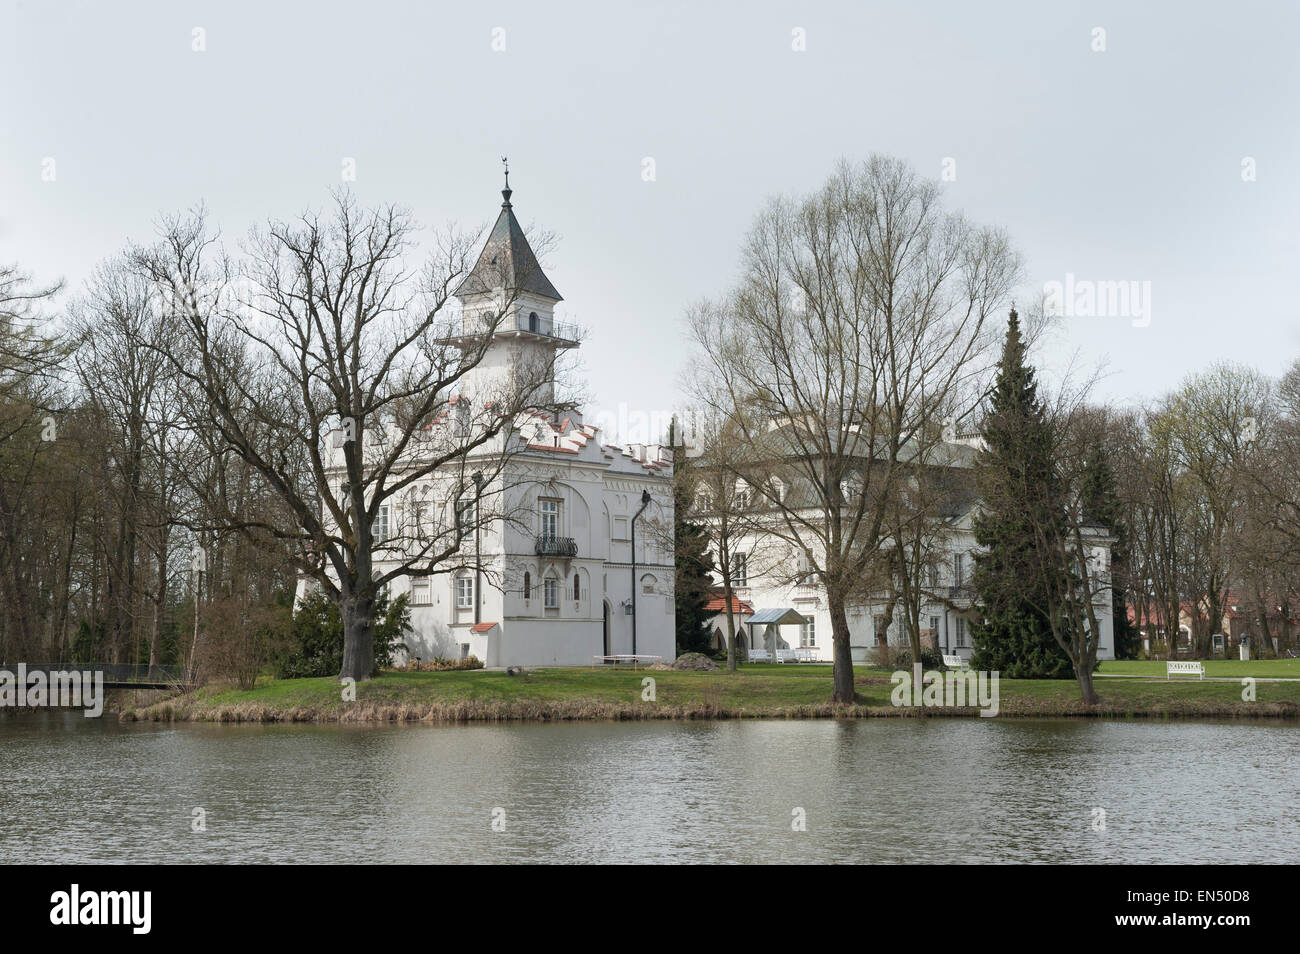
(116, 675)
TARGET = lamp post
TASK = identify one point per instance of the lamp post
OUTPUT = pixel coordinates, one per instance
(645, 502)
(478, 556)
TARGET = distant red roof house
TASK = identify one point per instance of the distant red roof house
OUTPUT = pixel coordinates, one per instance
(719, 605)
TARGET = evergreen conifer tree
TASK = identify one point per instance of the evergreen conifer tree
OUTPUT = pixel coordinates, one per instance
(1020, 495)
(693, 580)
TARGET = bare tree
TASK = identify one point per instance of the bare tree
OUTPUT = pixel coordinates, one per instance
(1204, 430)
(861, 314)
(122, 365)
(731, 514)
(335, 340)
(31, 395)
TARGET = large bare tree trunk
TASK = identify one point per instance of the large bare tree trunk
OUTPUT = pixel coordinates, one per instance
(842, 653)
(358, 638)
(1089, 693)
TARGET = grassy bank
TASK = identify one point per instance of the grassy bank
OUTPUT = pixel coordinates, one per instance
(757, 691)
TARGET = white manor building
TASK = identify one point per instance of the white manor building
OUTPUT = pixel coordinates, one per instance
(558, 583)
(766, 585)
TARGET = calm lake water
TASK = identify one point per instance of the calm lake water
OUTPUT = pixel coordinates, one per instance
(886, 790)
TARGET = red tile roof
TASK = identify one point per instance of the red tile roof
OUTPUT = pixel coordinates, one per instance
(481, 627)
(719, 605)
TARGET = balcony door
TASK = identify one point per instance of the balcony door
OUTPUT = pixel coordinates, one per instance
(549, 512)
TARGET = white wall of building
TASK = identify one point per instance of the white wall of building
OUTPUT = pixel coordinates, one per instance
(767, 587)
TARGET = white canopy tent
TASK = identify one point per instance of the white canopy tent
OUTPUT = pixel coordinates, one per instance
(769, 623)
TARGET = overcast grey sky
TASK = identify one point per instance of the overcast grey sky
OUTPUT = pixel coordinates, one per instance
(1124, 164)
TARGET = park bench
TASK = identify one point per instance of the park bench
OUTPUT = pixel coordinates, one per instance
(953, 661)
(759, 655)
(786, 656)
(1181, 668)
(805, 654)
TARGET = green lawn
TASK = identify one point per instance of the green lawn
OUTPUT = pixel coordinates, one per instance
(757, 690)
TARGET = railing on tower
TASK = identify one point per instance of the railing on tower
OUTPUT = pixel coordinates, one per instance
(479, 324)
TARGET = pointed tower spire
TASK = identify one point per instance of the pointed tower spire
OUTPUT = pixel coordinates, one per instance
(507, 261)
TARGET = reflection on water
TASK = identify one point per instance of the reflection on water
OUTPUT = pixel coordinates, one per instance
(887, 790)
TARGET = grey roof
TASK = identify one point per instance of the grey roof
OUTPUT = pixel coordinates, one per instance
(781, 617)
(507, 261)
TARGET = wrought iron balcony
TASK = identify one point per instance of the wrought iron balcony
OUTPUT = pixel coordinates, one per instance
(556, 546)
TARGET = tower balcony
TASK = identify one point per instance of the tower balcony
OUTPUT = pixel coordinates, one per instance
(561, 334)
(564, 547)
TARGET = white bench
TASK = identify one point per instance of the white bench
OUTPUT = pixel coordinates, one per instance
(954, 662)
(786, 656)
(1175, 668)
(805, 654)
(759, 655)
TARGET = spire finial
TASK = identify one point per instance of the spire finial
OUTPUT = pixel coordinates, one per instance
(505, 193)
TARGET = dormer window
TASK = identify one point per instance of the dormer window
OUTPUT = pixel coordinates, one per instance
(533, 324)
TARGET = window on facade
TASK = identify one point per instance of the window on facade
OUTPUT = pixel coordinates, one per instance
(465, 513)
(465, 592)
(739, 569)
(648, 584)
(808, 632)
(528, 585)
(420, 591)
(934, 625)
(742, 499)
(805, 570)
(549, 513)
(961, 631)
(934, 577)
(958, 569)
(382, 528)
(551, 589)
(620, 528)
(577, 588)
(417, 519)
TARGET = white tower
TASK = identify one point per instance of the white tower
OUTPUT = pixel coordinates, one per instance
(507, 276)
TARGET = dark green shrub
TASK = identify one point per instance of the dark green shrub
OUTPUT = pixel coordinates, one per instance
(318, 636)
(931, 659)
